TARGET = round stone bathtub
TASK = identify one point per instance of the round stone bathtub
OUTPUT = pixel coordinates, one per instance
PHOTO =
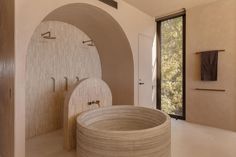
(123, 131)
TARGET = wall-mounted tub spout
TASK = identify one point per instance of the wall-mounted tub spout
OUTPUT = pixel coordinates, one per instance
(77, 78)
(53, 84)
(97, 102)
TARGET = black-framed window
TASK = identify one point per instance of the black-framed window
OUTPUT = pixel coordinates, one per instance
(171, 55)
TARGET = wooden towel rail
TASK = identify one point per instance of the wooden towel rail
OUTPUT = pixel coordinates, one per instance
(208, 51)
(213, 90)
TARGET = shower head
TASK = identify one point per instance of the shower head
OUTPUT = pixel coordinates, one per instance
(47, 35)
(87, 41)
(90, 42)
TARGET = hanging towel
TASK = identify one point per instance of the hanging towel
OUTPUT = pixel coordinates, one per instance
(209, 65)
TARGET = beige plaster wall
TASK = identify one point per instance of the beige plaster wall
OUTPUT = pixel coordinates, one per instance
(65, 56)
(6, 77)
(211, 27)
(30, 13)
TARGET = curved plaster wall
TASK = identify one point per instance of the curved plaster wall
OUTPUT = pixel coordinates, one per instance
(49, 63)
(113, 46)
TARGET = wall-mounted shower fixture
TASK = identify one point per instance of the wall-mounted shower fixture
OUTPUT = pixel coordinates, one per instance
(47, 35)
(66, 83)
(90, 42)
(54, 84)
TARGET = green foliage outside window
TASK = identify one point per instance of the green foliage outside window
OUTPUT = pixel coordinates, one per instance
(172, 58)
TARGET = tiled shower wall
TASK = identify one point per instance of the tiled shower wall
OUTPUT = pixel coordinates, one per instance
(53, 66)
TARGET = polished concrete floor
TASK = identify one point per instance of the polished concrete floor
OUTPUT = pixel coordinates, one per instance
(188, 140)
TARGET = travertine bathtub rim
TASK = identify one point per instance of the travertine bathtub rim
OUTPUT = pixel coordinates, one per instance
(165, 123)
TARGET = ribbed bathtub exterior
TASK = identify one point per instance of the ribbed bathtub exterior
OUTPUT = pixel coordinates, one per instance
(101, 133)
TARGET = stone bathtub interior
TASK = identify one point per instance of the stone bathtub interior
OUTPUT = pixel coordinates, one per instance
(125, 131)
(122, 119)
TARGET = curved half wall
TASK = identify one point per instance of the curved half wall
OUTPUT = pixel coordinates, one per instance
(112, 44)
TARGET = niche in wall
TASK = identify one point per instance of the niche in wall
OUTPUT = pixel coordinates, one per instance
(53, 66)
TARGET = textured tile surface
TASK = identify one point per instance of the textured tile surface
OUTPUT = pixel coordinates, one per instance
(50, 63)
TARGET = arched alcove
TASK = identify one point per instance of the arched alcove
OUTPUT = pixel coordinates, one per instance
(115, 56)
(112, 44)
